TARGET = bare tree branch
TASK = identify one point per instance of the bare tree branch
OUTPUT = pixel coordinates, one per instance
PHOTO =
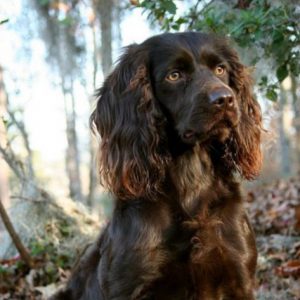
(5, 149)
(14, 163)
(14, 236)
(21, 127)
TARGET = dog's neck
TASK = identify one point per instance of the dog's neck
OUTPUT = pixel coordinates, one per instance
(196, 177)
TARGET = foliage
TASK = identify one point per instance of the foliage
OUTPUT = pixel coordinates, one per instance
(57, 233)
(45, 250)
(4, 21)
(269, 30)
(50, 265)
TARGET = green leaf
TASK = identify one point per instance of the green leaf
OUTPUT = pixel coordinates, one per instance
(271, 95)
(295, 68)
(4, 21)
(181, 21)
(169, 6)
(148, 5)
(176, 27)
(278, 37)
(295, 63)
(2, 270)
(67, 21)
(44, 2)
(282, 72)
(263, 81)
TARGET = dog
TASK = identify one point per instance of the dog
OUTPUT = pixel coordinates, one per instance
(179, 129)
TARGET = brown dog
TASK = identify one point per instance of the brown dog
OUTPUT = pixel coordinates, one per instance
(178, 123)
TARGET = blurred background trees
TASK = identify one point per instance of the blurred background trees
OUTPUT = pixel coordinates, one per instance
(77, 39)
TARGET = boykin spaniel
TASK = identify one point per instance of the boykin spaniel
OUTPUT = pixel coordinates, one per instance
(179, 128)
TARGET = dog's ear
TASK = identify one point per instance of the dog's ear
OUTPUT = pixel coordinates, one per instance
(131, 125)
(247, 136)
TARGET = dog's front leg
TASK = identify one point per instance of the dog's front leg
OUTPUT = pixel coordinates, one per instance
(134, 255)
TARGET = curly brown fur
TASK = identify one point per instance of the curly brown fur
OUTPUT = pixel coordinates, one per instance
(178, 123)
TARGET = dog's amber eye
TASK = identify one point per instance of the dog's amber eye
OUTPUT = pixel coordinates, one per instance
(220, 70)
(174, 76)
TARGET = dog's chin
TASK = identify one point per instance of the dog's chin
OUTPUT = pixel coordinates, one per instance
(221, 133)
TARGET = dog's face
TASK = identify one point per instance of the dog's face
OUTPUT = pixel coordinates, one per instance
(190, 74)
(191, 83)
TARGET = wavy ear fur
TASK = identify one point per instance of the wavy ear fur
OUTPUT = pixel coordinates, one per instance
(131, 159)
(247, 136)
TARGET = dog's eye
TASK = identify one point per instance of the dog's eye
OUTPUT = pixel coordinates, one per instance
(219, 70)
(174, 76)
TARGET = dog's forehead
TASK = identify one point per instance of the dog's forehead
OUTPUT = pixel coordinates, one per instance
(166, 49)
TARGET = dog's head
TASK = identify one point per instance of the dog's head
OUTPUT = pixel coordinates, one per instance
(174, 90)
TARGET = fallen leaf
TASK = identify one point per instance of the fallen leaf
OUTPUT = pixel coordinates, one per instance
(290, 268)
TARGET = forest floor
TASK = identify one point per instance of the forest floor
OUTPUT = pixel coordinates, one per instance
(274, 211)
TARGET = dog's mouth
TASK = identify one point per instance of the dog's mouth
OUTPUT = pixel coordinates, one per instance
(218, 130)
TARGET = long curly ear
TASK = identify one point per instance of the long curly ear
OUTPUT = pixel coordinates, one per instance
(247, 136)
(132, 160)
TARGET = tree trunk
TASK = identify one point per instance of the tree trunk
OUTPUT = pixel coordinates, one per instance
(92, 171)
(92, 142)
(63, 52)
(72, 153)
(296, 121)
(284, 141)
(104, 10)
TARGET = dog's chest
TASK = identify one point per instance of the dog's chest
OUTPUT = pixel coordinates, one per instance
(210, 228)
(201, 249)
(216, 226)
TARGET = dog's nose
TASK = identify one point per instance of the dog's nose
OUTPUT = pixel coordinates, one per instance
(221, 98)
